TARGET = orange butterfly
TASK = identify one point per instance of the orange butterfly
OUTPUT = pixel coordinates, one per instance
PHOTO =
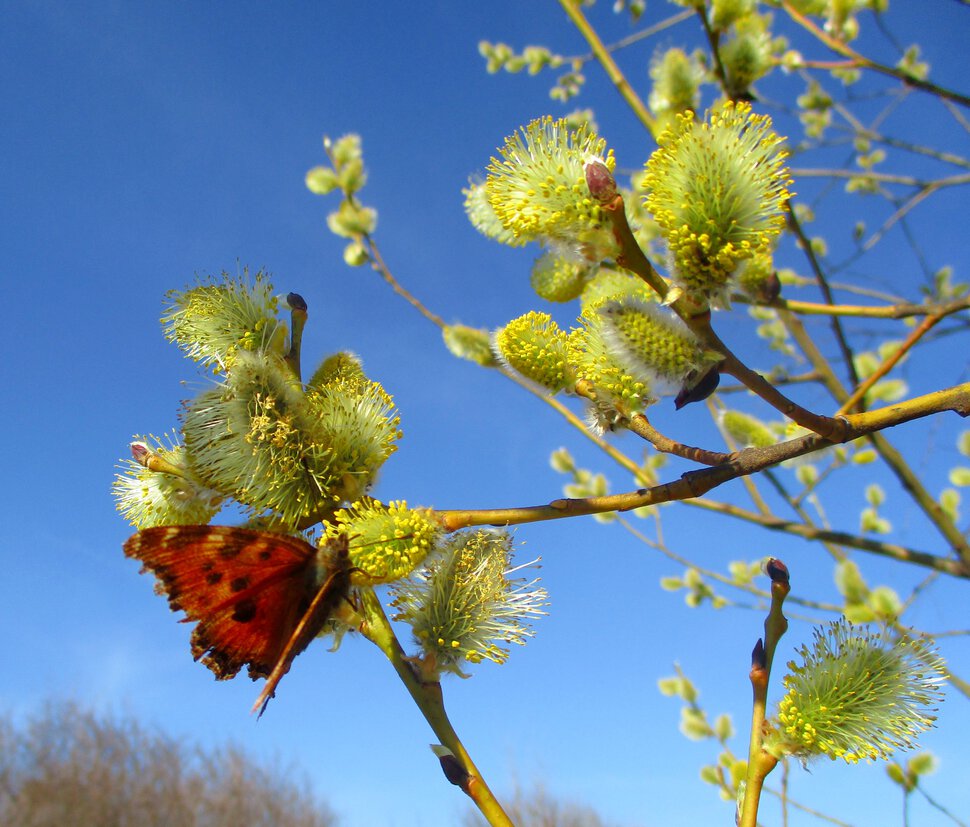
(257, 598)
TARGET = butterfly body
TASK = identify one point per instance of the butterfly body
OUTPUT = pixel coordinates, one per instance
(257, 598)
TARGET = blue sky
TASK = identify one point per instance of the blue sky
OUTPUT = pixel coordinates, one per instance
(146, 143)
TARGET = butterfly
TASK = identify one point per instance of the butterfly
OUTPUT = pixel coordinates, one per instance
(257, 598)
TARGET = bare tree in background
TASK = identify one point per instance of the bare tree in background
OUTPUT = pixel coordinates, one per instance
(68, 765)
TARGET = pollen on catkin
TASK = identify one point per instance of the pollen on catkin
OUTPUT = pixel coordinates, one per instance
(483, 218)
(718, 191)
(464, 605)
(386, 541)
(212, 322)
(538, 188)
(653, 343)
(147, 496)
(857, 695)
(534, 346)
(246, 438)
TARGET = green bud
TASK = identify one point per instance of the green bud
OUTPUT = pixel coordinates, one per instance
(747, 430)
(356, 254)
(562, 461)
(321, 180)
(560, 279)
(473, 344)
(351, 220)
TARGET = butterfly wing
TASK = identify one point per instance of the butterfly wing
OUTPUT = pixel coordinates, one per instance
(245, 590)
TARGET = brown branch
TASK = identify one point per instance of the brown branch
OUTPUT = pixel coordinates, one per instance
(638, 424)
(807, 532)
(377, 262)
(892, 311)
(750, 461)
(921, 330)
(910, 481)
(863, 62)
(633, 258)
(795, 226)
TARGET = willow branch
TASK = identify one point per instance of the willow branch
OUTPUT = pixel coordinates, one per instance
(863, 62)
(892, 551)
(624, 42)
(427, 695)
(747, 588)
(377, 262)
(760, 763)
(640, 425)
(910, 481)
(887, 365)
(893, 311)
(633, 258)
(751, 460)
(808, 532)
(795, 226)
(575, 14)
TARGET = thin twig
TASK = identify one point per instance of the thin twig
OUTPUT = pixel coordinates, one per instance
(863, 62)
(749, 461)
(613, 71)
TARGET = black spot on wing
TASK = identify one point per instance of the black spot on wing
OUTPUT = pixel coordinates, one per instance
(244, 611)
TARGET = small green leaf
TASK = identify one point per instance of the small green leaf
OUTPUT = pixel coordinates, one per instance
(859, 613)
(875, 495)
(950, 503)
(723, 727)
(849, 582)
(960, 476)
(562, 461)
(355, 254)
(865, 364)
(741, 572)
(924, 763)
(895, 773)
(885, 602)
(321, 180)
(872, 522)
(694, 725)
(806, 474)
(888, 390)
(963, 443)
(864, 457)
